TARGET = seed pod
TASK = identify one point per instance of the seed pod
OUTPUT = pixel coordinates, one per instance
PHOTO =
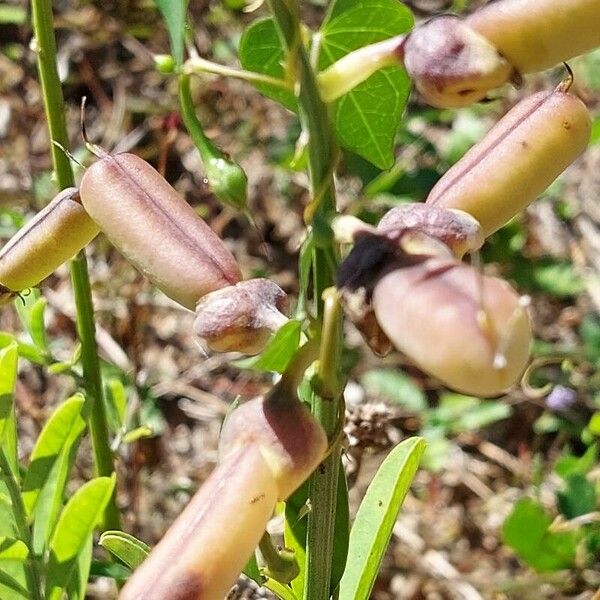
(203, 552)
(451, 65)
(470, 331)
(241, 317)
(517, 160)
(268, 448)
(155, 229)
(292, 441)
(51, 238)
(534, 35)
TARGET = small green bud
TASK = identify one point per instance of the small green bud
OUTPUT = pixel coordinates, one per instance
(164, 63)
(227, 181)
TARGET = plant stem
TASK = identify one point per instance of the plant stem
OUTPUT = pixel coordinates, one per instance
(45, 44)
(322, 157)
(199, 65)
(18, 509)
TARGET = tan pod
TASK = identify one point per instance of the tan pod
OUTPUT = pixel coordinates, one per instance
(534, 35)
(204, 551)
(471, 332)
(51, 238)
(156, 229)
(517, 160)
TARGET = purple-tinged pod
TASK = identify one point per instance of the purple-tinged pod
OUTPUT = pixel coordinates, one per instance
(292, 441)
(204, 551)
(268, 447)
(451, 65)
(517, 160)
(534, 35)
(156, 229)
(469, 330)
(241, 317)
(51, 238)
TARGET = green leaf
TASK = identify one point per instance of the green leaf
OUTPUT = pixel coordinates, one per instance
(12, 549)
(295, 533)
(549, 276)
(279, 351)
(526, 531)
(569, 464)
(31, 314)
(8, 427)
(173, 13)
(144, 431)
(578, 498)
(396, 387)
(73, 531)
(261, 51)
(127, 548)
(16, 15)
(77, 585)
(12, 582)
(341, 531)
(117, 402)
(283, 592)
(366, 119)
(28, 351)
(376, 516)
(61, 431)
(252, 570)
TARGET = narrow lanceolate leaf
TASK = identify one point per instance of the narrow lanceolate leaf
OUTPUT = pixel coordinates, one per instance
(376, 516)
(12, 549)
(62, 430)
(77, 585)
(8, 379)
(366, 119)
(73, 531)
(127, 548)
(173, 12)
(11, 587)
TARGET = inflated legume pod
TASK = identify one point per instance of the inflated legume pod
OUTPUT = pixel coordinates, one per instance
(534, 35)
(268, 448)
(517, 160)
(156, 229)
(48, 240)
(470, 331)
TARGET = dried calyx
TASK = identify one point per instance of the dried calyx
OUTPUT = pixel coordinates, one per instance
(451, 65)
(241, 317)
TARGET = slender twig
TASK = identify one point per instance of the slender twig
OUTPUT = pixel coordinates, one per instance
(45, 45)
(19, 514)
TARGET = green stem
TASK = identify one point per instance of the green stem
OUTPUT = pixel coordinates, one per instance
(45, 45)
(188, 113)
(199, 65)
(19, 514)
(326, 405)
